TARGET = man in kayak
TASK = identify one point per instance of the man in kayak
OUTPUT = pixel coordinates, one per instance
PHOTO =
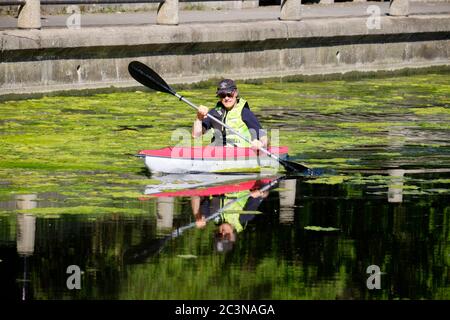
(233, 111)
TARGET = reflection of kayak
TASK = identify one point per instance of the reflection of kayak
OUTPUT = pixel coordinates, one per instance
(172, 182)
(213, 184)
(209, 159)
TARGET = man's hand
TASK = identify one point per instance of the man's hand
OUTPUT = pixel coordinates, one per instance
(256, 145)
(202, 112)
(259, 194)
(200, 222)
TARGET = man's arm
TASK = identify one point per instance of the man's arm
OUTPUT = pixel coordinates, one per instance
(259, 136)
(197, 127)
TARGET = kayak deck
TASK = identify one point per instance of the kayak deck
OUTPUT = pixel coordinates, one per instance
(209, 159)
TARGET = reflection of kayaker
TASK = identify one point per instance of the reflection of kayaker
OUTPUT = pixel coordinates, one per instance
(232, 223)
(233, 218)
(258, 190)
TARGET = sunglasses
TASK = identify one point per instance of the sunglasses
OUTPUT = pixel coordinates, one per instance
(223, 95)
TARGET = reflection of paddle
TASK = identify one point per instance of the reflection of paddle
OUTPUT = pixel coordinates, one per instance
(149, 78)
(156, 248)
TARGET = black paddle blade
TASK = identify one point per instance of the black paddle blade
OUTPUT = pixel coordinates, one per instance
(149, 78)
(293, 167)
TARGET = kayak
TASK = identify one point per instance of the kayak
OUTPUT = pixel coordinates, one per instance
(209, 159)
(208, 185)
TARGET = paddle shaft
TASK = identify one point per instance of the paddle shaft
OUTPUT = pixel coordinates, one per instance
(270, 154)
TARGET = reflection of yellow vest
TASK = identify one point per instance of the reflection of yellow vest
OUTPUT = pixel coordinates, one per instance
(233, 217)
(234, 120)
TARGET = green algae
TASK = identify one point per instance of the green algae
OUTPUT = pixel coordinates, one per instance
(446, 181)
(87, 210)
(83, 147)
(328, 180)
(431, 111)
(317, 228)
(187, 256)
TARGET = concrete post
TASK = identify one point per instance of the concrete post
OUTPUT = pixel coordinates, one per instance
(291, 10)
(399, 8)
(30, 15)
(168, 12)
(246, 4)
(326, 1)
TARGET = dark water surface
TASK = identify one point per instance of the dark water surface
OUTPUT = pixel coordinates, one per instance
(72, 194)
(279, 255)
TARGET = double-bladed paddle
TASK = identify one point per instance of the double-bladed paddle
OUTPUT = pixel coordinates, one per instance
(149, 78)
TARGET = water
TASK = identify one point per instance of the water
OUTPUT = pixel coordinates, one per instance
(72, 194)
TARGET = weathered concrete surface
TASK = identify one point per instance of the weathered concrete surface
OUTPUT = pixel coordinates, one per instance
(291, 10)
(141, 7)
(399, 7)
(310, 11)
(30, 15)
(168, 12)
(58, 59)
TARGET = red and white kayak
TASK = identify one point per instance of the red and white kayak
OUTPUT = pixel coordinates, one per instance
(209, 159)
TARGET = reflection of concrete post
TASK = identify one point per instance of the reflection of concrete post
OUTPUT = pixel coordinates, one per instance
(25, 234)
(26, 201)
(287, 201)
(291, 10)
(168, 12)
(399, 8)
(395, 188)
(165, 211)
(30, 15)
(25, 237)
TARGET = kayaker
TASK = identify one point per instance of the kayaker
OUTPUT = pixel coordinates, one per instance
(233, 111)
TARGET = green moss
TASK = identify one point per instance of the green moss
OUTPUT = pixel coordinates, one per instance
(83, 145)
(431, 111)
(87, 210)
(328, 180)
(316, 228)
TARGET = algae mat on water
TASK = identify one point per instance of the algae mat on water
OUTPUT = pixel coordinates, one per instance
(83, 147)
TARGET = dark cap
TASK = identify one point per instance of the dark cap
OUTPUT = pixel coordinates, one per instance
(226, 86)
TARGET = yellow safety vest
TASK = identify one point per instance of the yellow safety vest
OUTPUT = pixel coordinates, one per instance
(234, 120)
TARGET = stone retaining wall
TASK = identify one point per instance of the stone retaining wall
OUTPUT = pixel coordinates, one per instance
(65, 59)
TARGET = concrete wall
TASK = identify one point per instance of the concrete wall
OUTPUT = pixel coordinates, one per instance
(200, 5)
(63, 59)
(138, 7)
